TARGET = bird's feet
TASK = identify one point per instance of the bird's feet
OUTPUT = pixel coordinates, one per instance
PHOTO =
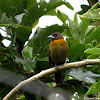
(57, 66)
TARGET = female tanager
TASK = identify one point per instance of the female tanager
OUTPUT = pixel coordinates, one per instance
(58, 51)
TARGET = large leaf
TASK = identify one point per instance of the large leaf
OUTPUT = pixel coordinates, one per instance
(28, 65)
(95, 6)
(27, 52)
(82, 29)
(94, 35)
(94, 88)
(69, 5)
(91, 15)
(11, 7)
(89, 30)
(62, 16)
(5, 20)
(76, 19)
(93, 56)
(40, 9)
(74, 29)
(93, 51)
(86, 76)
(22, 32)
(75, 51)
(30, 3)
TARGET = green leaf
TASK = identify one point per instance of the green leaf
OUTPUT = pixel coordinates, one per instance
(76, 19)
(69, 5)
(27, 52)
(50, 85)
(94, 68)
(94, 35)
(62, 16)
(27, 64)
(42, 58)
(30, 3)
(38, 10)
(67, 33)
(5, 20)
(22, 97)
(95, 6)
(22, 32)
(74, 30)
(52, 13)
(66, 78)
(93, 51)
(94, 88)
(75, 51)
(11, 7)
(82, 29)
(86, 76)
(89, 45)
(90, 29)
(91, 15)
(93, 56)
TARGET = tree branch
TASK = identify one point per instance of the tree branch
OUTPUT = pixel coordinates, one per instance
(52, 70)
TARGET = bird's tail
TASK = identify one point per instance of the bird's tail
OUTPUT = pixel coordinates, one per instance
(59, 77)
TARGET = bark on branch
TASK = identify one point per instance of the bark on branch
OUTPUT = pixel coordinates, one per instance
(50, 71)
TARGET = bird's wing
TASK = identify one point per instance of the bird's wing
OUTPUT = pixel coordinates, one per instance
(50, 58)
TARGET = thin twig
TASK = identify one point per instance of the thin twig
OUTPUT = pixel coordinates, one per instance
(52, 70)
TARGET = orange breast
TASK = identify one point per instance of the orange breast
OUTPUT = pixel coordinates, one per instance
(58, 51)
(58, 42)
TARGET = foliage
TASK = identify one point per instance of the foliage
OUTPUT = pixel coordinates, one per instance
(20, 16)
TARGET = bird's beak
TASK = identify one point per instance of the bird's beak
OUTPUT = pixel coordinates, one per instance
(51, 37)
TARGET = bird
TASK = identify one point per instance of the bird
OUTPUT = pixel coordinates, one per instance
(58, 51)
